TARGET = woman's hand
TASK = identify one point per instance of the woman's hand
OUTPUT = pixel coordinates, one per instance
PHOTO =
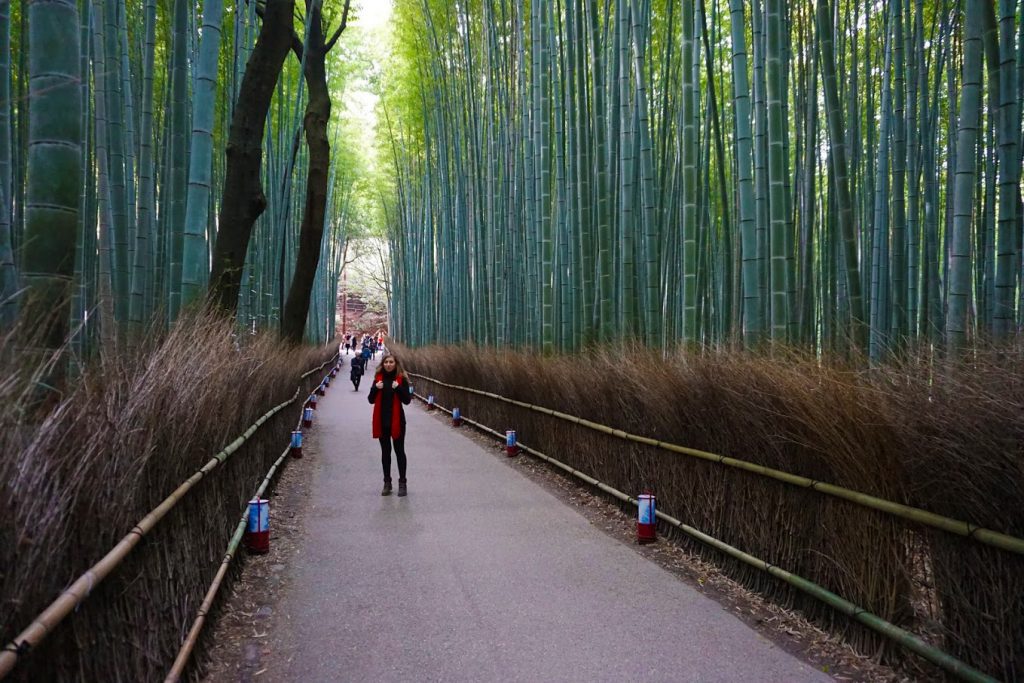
(394, 385)
(379, 385)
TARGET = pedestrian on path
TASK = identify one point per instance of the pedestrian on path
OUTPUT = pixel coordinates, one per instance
(356, 373)
(389, 392)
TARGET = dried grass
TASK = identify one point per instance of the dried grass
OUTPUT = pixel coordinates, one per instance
(944, 438)
(74, 480)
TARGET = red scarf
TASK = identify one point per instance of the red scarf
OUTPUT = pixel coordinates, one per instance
(396, 410)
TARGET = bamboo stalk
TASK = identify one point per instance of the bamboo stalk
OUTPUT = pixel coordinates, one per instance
(78, 591)
(960, 528)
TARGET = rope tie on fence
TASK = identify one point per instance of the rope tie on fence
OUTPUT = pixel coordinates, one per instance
(19, 649)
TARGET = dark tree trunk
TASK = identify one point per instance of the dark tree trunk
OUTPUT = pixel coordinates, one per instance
(243, 200)
(318, 113)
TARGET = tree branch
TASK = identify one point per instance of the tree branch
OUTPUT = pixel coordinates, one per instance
(344, 23)
(296, 43)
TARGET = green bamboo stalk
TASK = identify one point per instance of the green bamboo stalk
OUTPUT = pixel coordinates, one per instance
(105, 286)
(195, 259)
(753, 324)
(8, 271)
(142, 274)
(689, 176)
(115, 109)
(777, 172)
(1009, 175)
(837, 153)
(54, 169)
(600, 192)
(880, 306)
(544, 160)
(178, 132)
(625, 220)
(898, 265)
(957, 323)
(85, 246)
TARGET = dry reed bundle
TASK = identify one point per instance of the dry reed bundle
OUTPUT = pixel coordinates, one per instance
(128, 432)
(947, 439)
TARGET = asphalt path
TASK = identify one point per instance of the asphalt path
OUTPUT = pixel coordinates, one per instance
(480, 574)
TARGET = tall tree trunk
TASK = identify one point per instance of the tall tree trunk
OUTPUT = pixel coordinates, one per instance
(243, 200)
(318, 113)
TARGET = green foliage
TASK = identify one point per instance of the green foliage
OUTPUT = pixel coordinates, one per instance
(499, 138)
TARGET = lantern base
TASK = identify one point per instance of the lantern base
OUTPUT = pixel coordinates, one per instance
(512, 451)
(645, 533)
(307, 423)
(257, 542)
(296, 452)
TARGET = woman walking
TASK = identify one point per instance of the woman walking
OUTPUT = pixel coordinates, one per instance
(390, 391)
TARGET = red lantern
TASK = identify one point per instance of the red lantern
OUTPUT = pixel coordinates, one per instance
(257, 530)
(511, 446)
(646, 518)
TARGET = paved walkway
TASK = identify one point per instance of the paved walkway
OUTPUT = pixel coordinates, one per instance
(479, 574)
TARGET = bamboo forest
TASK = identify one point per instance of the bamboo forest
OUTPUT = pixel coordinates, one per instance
(826, 175)
(759, 260)
(558, 174)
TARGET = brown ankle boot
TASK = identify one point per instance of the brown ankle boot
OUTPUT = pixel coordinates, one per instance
(401, 488)
(387, 488)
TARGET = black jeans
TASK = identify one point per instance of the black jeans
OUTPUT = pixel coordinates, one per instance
(385, 455)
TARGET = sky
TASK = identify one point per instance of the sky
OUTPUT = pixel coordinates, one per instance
(374, 13)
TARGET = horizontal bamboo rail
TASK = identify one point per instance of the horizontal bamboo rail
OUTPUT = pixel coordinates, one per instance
(958, 668)
(953, 526)
(193, 635)
(78, 591)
